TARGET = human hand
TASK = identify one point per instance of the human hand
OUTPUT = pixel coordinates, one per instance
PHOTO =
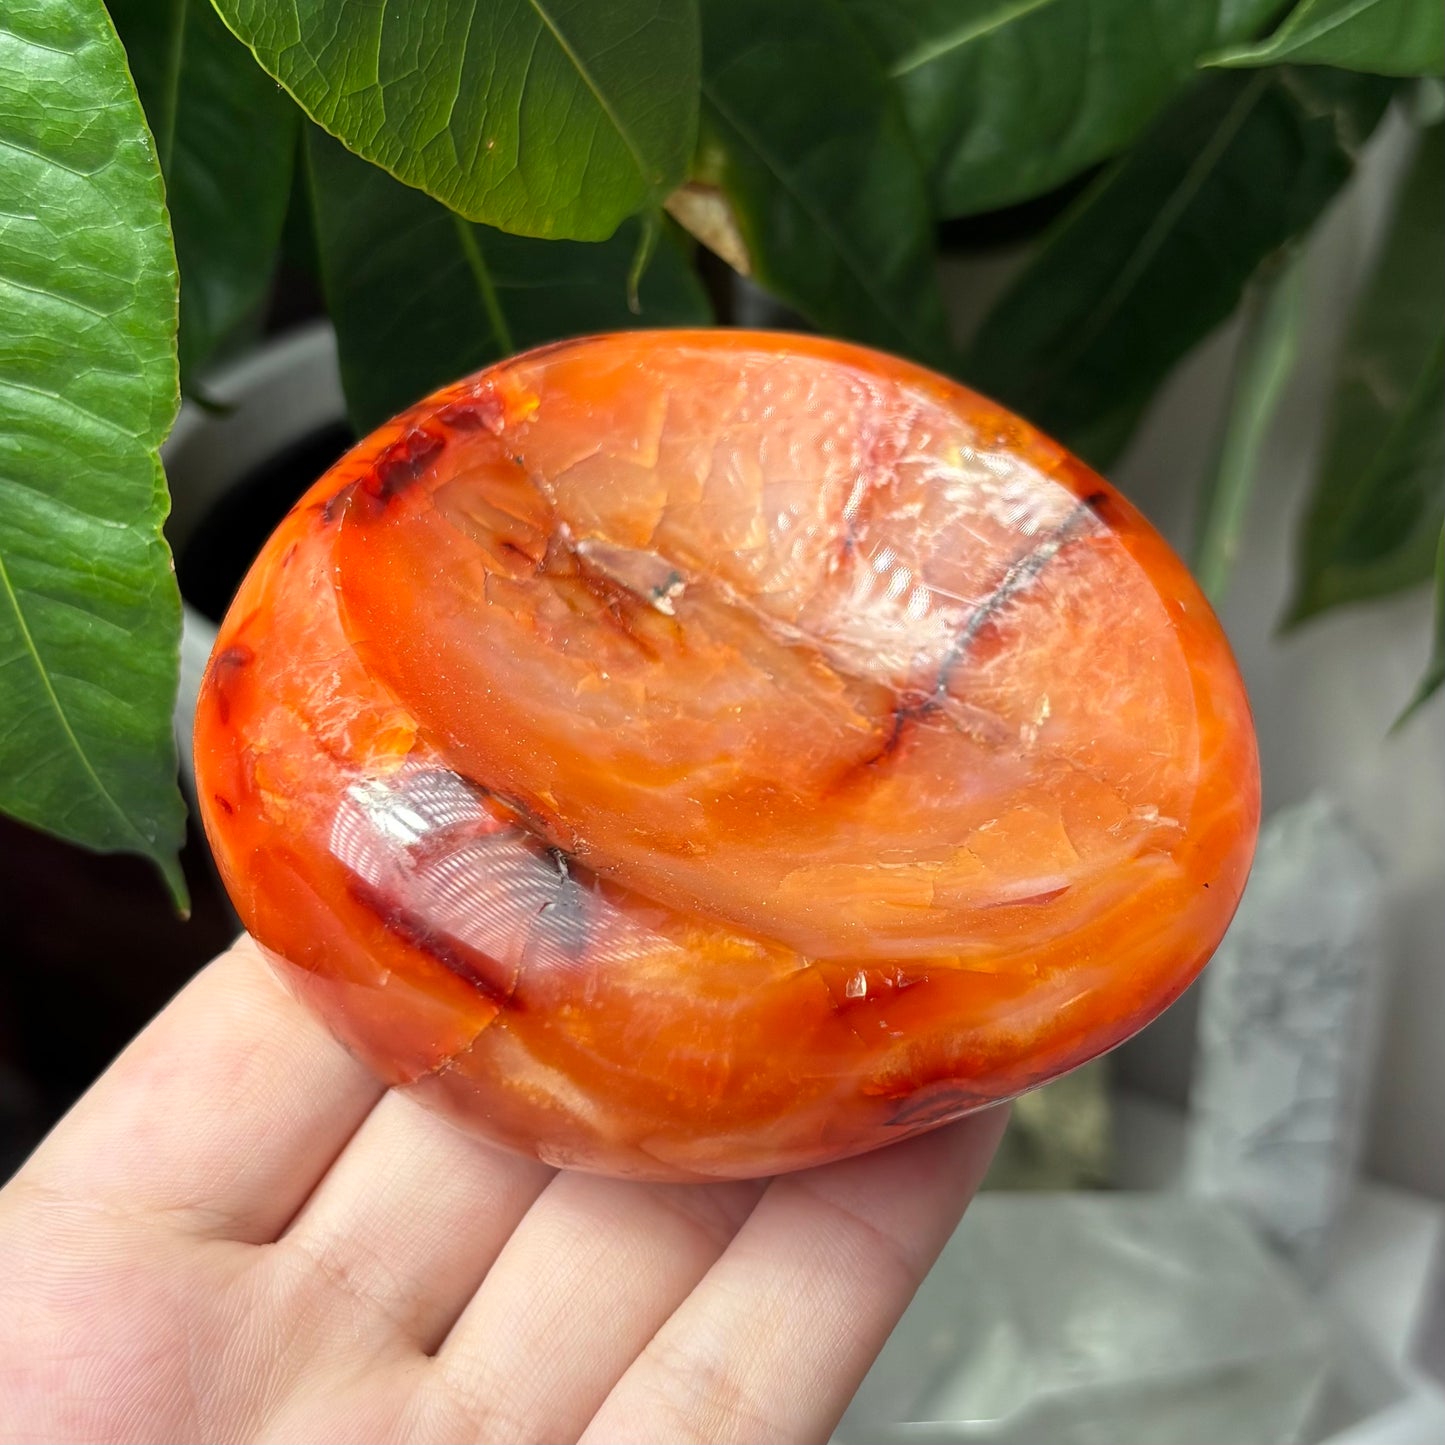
(238, 1235)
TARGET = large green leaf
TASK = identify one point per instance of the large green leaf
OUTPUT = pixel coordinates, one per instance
(226, 135)
(1009, 98)
(1377, 504)
(1386, 37)
(1158, 252)
(541, 117)
(89, 612)
(420, 296)
(804, 139)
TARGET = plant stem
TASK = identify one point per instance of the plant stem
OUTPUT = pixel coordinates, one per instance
(1263, 365)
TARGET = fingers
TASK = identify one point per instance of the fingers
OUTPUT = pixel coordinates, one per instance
(593, 1272)
(777, 1337)
(406, 1224)
(220, 1117)
(638, 1311)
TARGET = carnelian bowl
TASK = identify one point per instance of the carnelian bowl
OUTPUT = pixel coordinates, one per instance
(706, 754)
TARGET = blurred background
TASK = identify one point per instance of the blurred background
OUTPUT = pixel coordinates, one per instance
(1230, 1230)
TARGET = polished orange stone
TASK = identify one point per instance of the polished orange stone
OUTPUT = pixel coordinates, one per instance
(711, 753)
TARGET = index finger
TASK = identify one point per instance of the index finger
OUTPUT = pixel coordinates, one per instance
(220, 1117)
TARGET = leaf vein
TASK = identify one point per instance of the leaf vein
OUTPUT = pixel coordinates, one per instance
(965, 34)
(861, 272)
(62, 718)
(637, 157)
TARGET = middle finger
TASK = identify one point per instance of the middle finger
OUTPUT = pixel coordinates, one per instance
(403, 1228)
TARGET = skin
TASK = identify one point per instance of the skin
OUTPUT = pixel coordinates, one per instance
(237, 1235)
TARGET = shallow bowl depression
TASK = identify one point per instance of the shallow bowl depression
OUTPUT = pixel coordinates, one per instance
(706, 754)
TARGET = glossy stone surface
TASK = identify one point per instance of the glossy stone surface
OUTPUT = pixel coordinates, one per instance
(711, 753)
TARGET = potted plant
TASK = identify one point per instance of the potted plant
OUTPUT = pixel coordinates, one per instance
(475, 188)
(833, 208)
(465, 180)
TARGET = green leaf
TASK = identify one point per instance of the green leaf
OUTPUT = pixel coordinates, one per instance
(1377, 504)
(541, 117)
(1385, 37)
(420, 296)
(1010, 98)
(804, 140)
(1157, 253)
(1434, 677)
(89, 612)
(226, 135)
(1263, 365)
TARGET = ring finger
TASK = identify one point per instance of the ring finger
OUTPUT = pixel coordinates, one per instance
(592, 1273)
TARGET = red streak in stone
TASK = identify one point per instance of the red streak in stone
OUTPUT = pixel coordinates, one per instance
(401, 463)
(484, 974)
(225, 665)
